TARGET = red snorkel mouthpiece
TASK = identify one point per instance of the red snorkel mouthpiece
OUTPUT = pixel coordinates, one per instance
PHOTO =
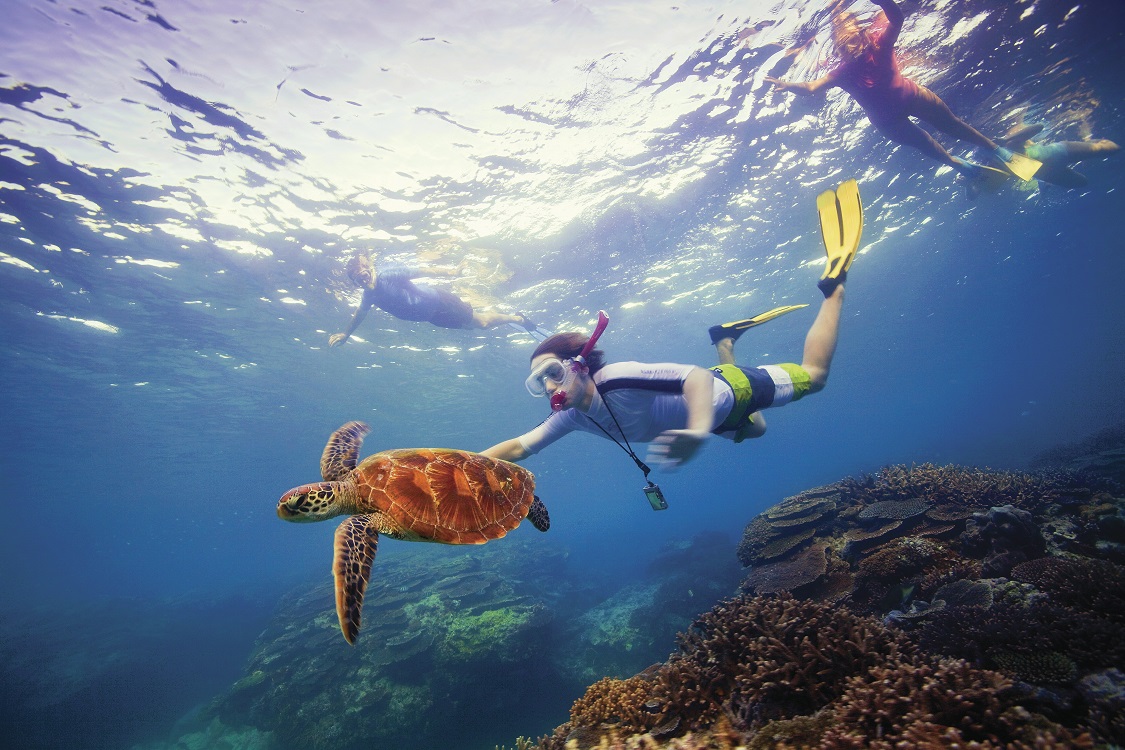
(558, 398)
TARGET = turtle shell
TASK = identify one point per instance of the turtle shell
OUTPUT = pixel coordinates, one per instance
(445, 495)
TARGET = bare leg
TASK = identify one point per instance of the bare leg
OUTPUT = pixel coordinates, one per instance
(725, 349)
(820, 343)
(493, 319)
(928, 106)
(1079, 150)
(908, 133)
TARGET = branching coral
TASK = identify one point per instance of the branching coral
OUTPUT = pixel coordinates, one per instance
(947, 694)
(1023, 629)
(617, 702)
(756, 655)
(1093, 585)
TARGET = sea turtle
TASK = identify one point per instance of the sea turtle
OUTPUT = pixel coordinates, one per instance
(416, 494)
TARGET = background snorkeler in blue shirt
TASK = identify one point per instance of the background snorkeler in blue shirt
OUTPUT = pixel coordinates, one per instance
(391, 288)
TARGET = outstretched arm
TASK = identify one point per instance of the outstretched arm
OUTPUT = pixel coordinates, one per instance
(339, 338)
(894, 21)
(675, 447)
(509, 450)
(807, 88)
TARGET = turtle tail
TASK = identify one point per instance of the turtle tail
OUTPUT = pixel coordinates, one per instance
(538, 515)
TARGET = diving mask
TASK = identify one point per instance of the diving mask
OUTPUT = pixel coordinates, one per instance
(560, 372)
(563, 372)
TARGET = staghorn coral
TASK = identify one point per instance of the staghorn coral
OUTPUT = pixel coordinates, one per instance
(967, 633)
(757, 657)
(756, 664)
(922, 703)
(616, 702)
(936, 694)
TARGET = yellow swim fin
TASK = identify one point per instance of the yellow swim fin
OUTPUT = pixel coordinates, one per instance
(1021, 166)
(841, 225)
(735, 328)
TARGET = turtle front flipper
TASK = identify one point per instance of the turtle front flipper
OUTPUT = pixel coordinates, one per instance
(342, 452)
(538, 516)
(357, 540)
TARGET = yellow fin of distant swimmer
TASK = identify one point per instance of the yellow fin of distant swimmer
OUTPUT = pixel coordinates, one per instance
(1022, 166)
(841, 226)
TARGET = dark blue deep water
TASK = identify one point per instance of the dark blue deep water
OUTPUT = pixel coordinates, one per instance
(181, 183)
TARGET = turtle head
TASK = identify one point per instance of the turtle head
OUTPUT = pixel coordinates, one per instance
(316, 502)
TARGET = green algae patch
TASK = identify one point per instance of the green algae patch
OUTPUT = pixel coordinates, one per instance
(492, 634)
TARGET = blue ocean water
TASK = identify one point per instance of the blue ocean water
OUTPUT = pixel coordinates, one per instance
(180, 185)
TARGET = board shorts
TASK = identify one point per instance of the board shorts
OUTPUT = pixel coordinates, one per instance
(451, 311)
(757, 388)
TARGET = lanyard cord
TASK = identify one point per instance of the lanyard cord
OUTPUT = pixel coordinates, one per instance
(640, 464)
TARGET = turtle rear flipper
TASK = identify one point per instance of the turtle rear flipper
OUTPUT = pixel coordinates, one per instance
(538, 515)
(342, 452)
(357, 540)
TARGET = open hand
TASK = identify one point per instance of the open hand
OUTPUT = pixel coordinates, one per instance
(337, 338)
(780, 84)
(673, 448)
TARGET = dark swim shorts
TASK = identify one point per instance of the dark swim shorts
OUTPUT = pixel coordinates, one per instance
(451, 311)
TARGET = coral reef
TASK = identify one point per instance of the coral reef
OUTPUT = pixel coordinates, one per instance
(781, 672)
(923, 607)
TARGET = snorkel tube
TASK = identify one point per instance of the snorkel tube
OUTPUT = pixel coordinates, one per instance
(578, 364)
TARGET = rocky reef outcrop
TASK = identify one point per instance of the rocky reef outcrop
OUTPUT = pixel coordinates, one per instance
(474, 642)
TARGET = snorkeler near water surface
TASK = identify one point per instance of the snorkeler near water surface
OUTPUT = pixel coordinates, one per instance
(1057, 157)
(678, 407)
(869, 72)
(391, 288)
